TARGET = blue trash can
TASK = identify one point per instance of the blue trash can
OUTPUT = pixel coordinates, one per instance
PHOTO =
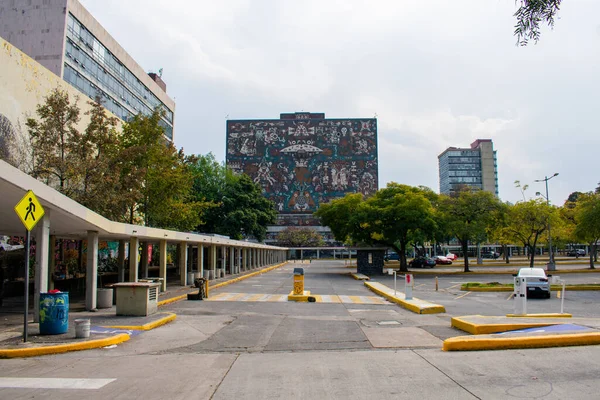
(54, 313)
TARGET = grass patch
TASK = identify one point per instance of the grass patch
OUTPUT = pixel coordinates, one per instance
(497, 285)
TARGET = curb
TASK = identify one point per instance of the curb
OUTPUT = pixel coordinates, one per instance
(497, 272)
(218, 285)
(547, 315)
(251, 274)
(63, 348)
(485, 329)
(148, 326)
(466, 343)
(415, 305)
(360, 277)
(554, 288)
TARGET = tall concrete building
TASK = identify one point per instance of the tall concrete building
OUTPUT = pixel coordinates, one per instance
(475, 167)
(304, 159)
(66, 39)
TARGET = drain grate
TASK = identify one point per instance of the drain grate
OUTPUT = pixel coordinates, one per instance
(388, 323)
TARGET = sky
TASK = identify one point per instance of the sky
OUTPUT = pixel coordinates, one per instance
(435, 74)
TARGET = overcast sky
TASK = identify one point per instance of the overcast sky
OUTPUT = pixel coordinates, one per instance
(436, 73)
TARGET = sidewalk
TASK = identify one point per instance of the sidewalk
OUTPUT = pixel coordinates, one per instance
(106, 328)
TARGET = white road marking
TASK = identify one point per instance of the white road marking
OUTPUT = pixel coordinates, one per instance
(54, 383)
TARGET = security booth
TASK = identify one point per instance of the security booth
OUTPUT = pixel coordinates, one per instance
(370, 261)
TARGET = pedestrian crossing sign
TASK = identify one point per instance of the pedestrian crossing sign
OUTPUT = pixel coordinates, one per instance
(29, 210)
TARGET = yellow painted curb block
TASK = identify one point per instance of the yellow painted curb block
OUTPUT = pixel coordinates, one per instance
(218, 285)
(299, 297)
(496, 272)
(240, 278)
(411, 305)
(547, 315)
(484, 329)
(173, 299)
(571, 288)
(63, 348)
(149, 326)
(466, 343)
(487, 289)
(360, 277)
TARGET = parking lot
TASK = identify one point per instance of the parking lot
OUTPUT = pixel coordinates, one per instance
(457, 302)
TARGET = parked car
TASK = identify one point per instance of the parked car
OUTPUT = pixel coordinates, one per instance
(391, 256)
(537, 281)
(442, 260)
(576, 252)
(490, 254)
(422, 262)
(451, 256)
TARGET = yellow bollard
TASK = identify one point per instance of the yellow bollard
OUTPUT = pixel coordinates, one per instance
(206, 288)
(298, 281)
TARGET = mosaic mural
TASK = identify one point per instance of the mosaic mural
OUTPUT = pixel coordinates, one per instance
(303, 160)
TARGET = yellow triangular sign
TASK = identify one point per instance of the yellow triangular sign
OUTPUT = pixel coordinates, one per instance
(29, 210)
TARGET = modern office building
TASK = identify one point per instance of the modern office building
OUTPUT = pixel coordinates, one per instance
(302, 160)
(475, 166)
(66, 39)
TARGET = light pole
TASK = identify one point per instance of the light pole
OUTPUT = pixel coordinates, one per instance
(551, 265)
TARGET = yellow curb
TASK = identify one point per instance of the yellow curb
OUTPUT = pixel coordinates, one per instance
(571, 288)
(496, 272)
(501, 343)
(411, 305)
(173, 299)
(299, 297)
(148, 326)
(63, 348)
(547, 315)
(218, 285)
(484, 329)
(360, 277)
(262, 271)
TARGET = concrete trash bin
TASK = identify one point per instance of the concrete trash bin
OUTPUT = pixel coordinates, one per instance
(104, 298)
(54, 313)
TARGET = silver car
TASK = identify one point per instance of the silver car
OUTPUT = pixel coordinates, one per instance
(537, 281)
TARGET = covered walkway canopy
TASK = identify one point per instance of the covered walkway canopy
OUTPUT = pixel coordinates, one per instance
(65, 218)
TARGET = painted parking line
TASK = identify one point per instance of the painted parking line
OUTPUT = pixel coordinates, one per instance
(54, 383)
(251, 297)
(462, 295)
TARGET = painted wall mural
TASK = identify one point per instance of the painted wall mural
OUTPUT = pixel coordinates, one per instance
(303, 160)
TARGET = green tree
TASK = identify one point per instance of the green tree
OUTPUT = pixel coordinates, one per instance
(299, 237)
(237, 207)
(532, 13)
(528, 220)
(156, 178)
(468, 216)
(97, 151)
(587, 217)
(392, 217)
(497, 231)
(52, 137)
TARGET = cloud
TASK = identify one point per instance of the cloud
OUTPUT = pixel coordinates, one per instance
(436, 73)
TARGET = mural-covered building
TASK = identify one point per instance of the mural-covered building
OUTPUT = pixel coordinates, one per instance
(302, 160)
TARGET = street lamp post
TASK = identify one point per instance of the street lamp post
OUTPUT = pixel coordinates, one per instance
(551, 265)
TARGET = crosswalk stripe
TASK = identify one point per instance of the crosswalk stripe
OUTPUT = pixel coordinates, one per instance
(54, 383)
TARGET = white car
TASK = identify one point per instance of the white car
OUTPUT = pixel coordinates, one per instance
(451, 256)
(537, 281)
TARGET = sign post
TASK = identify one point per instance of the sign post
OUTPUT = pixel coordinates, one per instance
(30, 211)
